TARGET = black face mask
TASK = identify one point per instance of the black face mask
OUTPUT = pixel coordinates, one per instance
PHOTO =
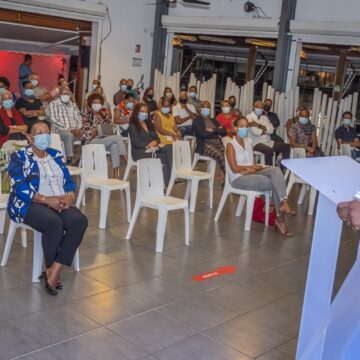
(232, 103)
(183, 101)
(267, 107)
(129, 87)
(150, 96)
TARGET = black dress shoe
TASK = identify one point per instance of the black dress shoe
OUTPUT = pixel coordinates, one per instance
(49, 288)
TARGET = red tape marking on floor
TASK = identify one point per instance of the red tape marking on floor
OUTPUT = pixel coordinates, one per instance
(217, 272)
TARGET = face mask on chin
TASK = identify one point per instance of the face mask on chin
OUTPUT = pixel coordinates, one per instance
(65, 98)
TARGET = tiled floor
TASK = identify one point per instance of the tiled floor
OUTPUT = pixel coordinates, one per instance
(129, 302)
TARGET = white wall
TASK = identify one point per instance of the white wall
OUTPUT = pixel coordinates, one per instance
(226, 8)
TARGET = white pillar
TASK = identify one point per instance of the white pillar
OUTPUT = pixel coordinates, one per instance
(95, 46)
(294, 64)
(168, 53)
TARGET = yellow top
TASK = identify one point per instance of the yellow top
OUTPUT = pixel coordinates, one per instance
(167, 123)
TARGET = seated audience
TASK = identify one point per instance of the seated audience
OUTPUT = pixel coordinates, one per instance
(5, 86)
(260, 131)
(119, 95)
(244, 174)
(165, 124)
(193, 96)
(92, 121)
(131, 90)
(29, 106)
(346, 134)
(123, 112)
(100, 90)
(168, 95)
(232, 102)
(41, 196)
(184, 114)
(148, 99)
(39, 91)
(302, 134)
(143, 137)
(293, 120)
(226, 117)
(66, 120)
(94, 85)
(208, 134)
(183, 87)
(274, 120)
(12, 126)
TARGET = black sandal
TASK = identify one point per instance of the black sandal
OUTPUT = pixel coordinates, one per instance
(49, 288)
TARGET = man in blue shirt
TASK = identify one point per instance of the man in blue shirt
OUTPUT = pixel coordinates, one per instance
(346, 134)
(24, 72)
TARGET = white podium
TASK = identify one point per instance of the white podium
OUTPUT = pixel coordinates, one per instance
(329, 330)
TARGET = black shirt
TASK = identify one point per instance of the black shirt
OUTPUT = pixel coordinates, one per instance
(152, 105)
(274, 119)
(23, 103)
(347, 135)
(4, 130)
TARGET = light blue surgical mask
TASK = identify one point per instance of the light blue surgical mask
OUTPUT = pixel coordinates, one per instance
(42, 141)
(7, 104)
(29, 92)
(205, 112)
(243, 132)
(34, 82)
(347, 122)
(303, 120)
(129, 105)
(193, 94)
(143, 116)
(2, 90)
(258, 111)
(165, 110)
(123, 88)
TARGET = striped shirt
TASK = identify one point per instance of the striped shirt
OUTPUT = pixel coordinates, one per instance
(64, 116)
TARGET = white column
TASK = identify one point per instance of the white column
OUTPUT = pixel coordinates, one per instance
(95, 47)
(168, 53)
(294, 64)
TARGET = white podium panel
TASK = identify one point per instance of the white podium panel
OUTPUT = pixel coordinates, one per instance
(327, 331)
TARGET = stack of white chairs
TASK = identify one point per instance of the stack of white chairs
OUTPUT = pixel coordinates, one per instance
(245, 195)
(182, 169)
(150, 194)
(95, 176)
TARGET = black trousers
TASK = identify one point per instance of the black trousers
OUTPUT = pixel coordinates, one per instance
(62, 232)
(278, 148)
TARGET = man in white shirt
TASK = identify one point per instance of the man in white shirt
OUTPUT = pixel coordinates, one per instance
(184, 114)
(260, 132)
(39, 91)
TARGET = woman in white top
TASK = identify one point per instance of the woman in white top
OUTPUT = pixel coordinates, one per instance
(246, 175)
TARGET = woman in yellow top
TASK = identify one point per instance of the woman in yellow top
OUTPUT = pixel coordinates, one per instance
(165, 124)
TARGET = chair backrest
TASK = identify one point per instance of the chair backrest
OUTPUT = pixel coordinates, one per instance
(181, 155)
(129, 150)
(298, 153)
(94, 161)
(227, 183)
(345, 150)
(56, 142)
(150, 181)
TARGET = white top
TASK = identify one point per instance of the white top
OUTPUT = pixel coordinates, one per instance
(178, 110)
(256, 133)
(51, 177)
(243, 156)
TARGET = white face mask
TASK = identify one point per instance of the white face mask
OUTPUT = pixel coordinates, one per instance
(96, 107)
(65, 98)
(226, 109)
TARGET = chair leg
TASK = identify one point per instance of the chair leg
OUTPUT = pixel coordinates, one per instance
(171, 183)
(127, 170)
(38, 257)
(221, 204)
(287, 173)
(196, 158)
(162, 219)
(76, 262)
(81, 194)
(312, 201)
(193, 195)
(2, 220)
(249, 211)
(290, 183)
(128, 204)
(104, 202)
(23, 237)
(134, 217)
(302, 194)
(187, 222)
(211, 192)
(188, 190)
(241, 204)
(267, 208)
(9, 241)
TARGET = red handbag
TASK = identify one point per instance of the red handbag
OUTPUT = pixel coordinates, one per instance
(259, 211)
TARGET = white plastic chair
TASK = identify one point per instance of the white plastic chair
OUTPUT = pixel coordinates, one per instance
(345, 150)
(259, 157)
(150, 193)
(38, 251)
(298, 153)
(95, 174)
(182, 169)
(130, 163)
(244, 195)
(3, 206)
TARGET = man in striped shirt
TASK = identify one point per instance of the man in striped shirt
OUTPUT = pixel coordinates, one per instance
(66, 120)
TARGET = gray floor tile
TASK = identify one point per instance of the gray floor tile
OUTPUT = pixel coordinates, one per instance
(108, 307)
(9, 281)
(285, 351)
(152, 331)
(247, 336)
(54, 325)
(200, 347)
(100, 344)
(40, 355)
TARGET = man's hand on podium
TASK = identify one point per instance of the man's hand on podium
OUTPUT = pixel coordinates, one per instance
(349, 212)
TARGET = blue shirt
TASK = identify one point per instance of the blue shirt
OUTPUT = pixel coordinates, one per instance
(347, 135)
(24, 74)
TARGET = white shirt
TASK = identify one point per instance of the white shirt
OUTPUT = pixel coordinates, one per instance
(243, 156)
(256, 134)
(178, 110)
(51, 177)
